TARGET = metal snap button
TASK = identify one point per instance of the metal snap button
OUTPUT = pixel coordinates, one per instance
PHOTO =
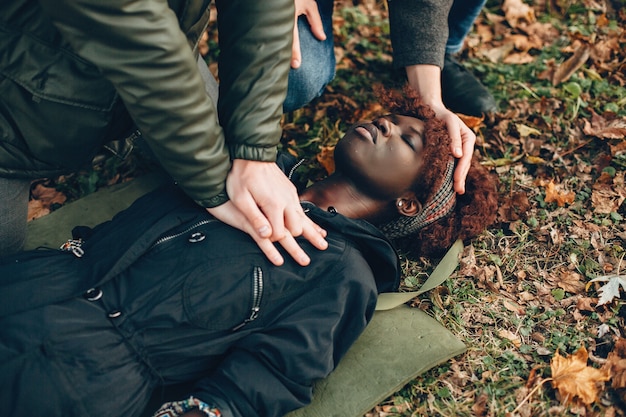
(114, 314)
(197, 237)
(93, 294)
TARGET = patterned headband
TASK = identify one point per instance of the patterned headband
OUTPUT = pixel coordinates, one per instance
(439, 206)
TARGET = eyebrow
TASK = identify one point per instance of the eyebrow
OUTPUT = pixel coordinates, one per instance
(419, 132)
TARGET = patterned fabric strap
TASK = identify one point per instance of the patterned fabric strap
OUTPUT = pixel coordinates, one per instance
(178, 408)
(439, 206)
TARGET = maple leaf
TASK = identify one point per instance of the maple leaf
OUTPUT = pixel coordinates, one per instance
(560, 197)
(575, 381)
(610, 290)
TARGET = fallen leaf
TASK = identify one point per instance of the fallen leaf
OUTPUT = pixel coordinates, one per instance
(518, 58)
(560, 197)
(575, 381)
(516, 12)
(616, 364)
(610, 290)
(36, 210)
(571, 282)
(480, 407)
(605, 129)
(571, 65)
(525, 131)
(472, 122)
(326, 159)
(512, 337)
(607, 198)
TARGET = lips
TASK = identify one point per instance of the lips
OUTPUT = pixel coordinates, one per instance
(368, 131)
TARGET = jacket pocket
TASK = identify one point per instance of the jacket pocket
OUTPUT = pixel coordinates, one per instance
(65, 104)
(225, 297)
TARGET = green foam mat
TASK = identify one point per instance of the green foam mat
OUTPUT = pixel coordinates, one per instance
(397, 346)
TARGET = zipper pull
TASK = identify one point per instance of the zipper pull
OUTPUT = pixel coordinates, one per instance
(253, 315)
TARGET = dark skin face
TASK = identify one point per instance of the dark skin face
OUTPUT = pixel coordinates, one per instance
(376, 164)
(382, 157)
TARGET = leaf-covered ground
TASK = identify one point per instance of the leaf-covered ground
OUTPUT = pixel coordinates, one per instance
(539, 297)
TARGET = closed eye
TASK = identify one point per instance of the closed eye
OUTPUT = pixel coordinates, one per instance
(407, 139)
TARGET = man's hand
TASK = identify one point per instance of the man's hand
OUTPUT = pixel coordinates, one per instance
(426, 80)
(264, 204)
(312, 13)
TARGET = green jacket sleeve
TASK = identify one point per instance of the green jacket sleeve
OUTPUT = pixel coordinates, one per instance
(139, 47)
(255, 40)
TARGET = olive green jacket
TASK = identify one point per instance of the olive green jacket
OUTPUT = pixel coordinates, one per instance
(75, 74)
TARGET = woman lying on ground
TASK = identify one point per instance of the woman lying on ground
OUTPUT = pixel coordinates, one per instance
(164, 294)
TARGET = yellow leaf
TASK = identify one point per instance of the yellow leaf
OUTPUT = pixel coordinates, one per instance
(575, 381)
(525, 131)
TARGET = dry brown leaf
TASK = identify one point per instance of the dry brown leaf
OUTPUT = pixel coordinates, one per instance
(326, 159)
(605, 200)
(42, 198)
(575, 381)
(36, 209)
(498, 53)
(480, 407)
(616, 364)
(514, 307)
(519, 58)
(517, 12)
(560, 197)
(512, 337)
(571, 65)
(472, 122)
(599, 127)
(48, 195)
(515, 207)
(571, 282)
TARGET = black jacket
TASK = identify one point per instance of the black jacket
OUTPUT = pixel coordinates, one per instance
(165, 294)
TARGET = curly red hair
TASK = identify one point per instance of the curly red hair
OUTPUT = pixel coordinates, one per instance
(474, 211)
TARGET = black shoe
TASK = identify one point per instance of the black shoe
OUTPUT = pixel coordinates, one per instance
(464, 93)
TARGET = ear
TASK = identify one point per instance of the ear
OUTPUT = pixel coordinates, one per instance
(408, 205)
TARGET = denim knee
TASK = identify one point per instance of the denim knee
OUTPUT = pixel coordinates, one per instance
(318, 61)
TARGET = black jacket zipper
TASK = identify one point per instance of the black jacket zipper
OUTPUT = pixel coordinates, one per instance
(187, 230)
(257, 295)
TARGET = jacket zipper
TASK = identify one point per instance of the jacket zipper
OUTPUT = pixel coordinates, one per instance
(187, 230)
(257, 295)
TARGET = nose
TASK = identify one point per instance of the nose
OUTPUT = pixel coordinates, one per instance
(383, 125)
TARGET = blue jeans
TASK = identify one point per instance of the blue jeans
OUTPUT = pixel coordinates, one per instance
(460, 21)
(318, 57)
(318, 61)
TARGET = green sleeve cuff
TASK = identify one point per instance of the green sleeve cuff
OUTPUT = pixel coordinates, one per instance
(214, 201)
